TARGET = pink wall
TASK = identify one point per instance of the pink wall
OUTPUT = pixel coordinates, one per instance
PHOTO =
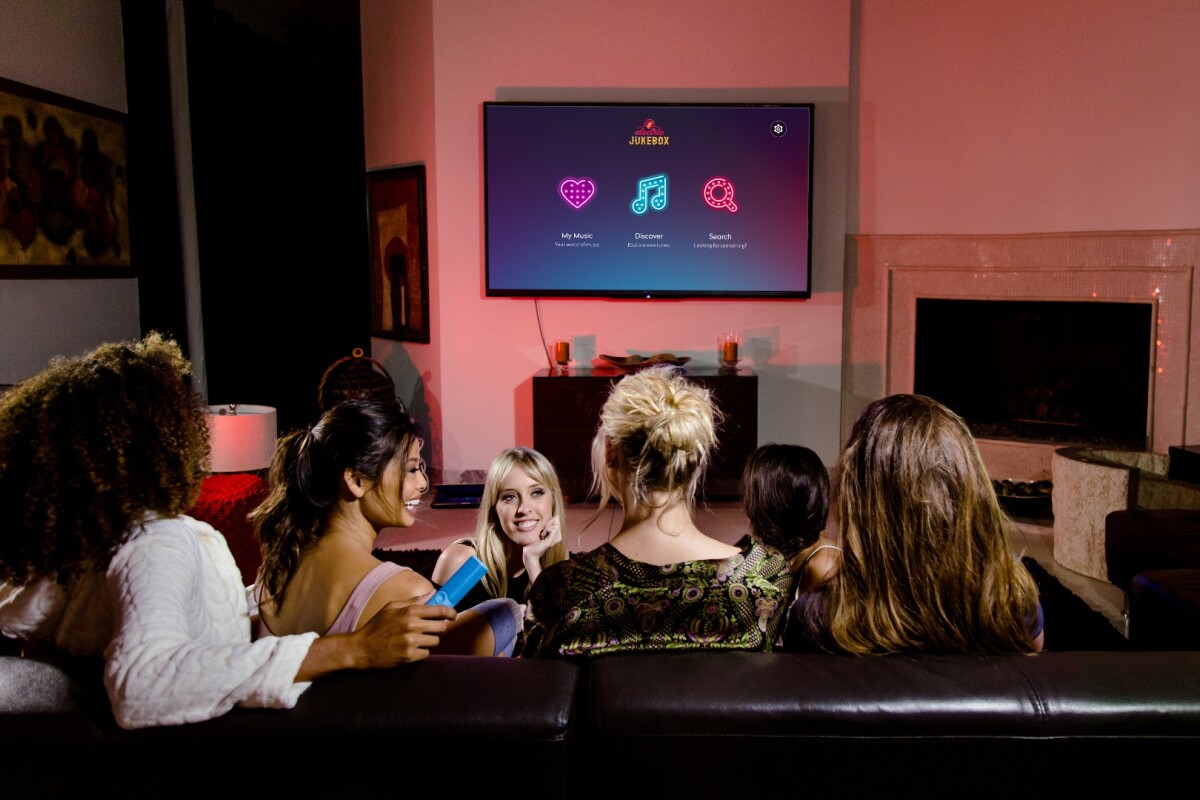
(1027, 116)
(1003, 117)
(398, 129)
(486, 350)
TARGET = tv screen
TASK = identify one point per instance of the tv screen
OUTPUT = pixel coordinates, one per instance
(640, 200)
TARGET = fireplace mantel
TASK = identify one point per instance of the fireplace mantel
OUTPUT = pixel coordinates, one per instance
(887, 273)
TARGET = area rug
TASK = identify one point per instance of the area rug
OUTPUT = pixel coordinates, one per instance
(1071, 624)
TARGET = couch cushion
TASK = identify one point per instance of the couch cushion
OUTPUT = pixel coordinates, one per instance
(870, 724)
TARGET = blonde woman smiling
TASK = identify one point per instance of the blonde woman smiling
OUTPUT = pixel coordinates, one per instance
(519, 529)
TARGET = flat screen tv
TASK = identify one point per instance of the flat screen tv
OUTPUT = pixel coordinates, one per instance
(640, 200)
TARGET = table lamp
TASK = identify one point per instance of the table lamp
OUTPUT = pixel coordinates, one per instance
(242, 437)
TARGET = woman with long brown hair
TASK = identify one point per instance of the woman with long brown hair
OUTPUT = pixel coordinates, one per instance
(926, 563)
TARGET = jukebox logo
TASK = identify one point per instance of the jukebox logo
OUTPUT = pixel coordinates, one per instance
(649, 134)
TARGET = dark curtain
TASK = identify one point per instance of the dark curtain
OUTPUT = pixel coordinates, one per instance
(275, 99)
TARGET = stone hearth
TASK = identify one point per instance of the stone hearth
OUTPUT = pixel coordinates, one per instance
(887, 274)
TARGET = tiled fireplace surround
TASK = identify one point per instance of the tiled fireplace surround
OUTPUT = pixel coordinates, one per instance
(887, 274)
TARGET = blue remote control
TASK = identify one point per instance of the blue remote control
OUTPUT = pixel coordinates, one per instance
(461, 582)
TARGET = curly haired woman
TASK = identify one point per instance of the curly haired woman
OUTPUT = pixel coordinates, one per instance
(100, 456)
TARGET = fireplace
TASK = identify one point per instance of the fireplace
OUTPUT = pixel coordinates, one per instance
(1151, 273)
(1065, 372)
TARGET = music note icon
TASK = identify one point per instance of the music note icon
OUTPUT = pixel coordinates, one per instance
(656, 184)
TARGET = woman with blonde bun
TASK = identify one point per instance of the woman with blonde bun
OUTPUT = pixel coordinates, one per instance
(660, 583)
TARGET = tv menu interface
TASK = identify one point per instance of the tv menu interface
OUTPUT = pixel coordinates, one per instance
(629, 200)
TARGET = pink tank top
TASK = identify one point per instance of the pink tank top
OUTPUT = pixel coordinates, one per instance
(347, 620)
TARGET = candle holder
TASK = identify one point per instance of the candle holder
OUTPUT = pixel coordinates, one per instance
(561, 357)
(729, 350)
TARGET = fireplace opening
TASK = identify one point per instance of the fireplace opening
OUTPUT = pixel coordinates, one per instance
(1041, 371)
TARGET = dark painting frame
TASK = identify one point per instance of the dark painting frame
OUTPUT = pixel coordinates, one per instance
(64, 191)
(399, 255)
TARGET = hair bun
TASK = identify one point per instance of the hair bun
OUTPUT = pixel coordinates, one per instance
(664, 427)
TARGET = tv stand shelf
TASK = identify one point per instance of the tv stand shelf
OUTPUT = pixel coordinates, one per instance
(566, 411)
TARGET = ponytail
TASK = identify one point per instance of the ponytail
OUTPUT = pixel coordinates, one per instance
(306, 480)
(289, 519)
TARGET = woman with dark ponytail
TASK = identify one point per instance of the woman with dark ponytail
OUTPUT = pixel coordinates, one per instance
(101, 456)
(333, 488)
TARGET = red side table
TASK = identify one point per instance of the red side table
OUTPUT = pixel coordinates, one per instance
(226, 500)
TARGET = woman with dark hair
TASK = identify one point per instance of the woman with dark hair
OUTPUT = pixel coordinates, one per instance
(660, 583)
(926, 564)
(100, 456)
(785, 494)
(333, 488)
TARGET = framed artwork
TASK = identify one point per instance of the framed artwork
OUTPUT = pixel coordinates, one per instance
(399, 258)
(64, 199)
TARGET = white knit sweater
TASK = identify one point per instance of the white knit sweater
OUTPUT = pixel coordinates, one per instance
(170, 617)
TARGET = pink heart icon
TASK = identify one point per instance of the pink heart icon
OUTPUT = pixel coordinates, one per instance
(577, 191)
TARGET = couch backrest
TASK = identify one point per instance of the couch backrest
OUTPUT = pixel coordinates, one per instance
(448, 721)
(702, 724)
(958, 725)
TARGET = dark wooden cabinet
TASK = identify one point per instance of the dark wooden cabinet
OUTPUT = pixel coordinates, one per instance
(566, 411)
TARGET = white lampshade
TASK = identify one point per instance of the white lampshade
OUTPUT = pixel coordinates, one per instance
(242, 437)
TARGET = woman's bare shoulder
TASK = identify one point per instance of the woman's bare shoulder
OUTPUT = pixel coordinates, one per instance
(405, 586)
(450, 560)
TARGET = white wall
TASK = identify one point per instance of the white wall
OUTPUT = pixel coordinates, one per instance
(478, 369)
(74, 48)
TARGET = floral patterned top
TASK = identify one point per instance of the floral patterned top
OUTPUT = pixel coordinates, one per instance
(604, 602)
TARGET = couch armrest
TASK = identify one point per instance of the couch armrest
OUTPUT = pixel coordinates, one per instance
(1137, 540)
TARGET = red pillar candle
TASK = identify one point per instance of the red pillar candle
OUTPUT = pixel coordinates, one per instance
(562, 352)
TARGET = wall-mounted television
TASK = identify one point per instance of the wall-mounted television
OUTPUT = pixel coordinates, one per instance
(644, 200)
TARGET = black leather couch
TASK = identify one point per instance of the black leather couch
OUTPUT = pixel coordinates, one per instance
(1154, 556)
(662, 725)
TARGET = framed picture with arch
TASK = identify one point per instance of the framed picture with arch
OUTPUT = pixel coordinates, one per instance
(399, 256)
